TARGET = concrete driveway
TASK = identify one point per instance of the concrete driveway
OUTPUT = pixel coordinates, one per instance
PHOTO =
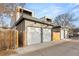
(70, 48)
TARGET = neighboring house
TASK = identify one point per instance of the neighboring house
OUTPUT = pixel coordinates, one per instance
(74, 32)
(20, 11)
(64, 33)
(46, 19)
(60, 33)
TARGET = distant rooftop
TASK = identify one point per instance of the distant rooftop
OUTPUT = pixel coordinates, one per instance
(26, 11)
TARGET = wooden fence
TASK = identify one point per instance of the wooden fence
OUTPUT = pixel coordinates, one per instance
(8, 39)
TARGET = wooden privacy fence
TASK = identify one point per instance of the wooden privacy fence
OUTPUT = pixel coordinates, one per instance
(8, 39)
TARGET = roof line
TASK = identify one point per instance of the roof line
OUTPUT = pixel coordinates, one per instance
(30, 18)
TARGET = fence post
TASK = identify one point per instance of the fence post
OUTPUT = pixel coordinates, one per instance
(24, 39)
(16, 39)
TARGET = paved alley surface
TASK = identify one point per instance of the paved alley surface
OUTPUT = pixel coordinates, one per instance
(64, 49)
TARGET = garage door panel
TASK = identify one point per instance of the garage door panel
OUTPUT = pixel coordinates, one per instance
(46, 35)
(56, 36)
(62, 34)
(33, 35)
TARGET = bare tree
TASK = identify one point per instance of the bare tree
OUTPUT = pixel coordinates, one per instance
(8, 10)
(64, 20)
(69, 17)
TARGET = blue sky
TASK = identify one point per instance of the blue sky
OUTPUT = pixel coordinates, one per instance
(49, 9)
(53, 9)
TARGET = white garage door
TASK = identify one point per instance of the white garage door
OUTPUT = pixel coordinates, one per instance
(66, 34)
(46, 35)
(33, 35)
(62, 34)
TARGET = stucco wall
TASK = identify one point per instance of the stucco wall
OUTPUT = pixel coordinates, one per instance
(35, 24)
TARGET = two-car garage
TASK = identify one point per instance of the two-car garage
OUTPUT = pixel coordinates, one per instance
(37, 35)
(33, 30)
